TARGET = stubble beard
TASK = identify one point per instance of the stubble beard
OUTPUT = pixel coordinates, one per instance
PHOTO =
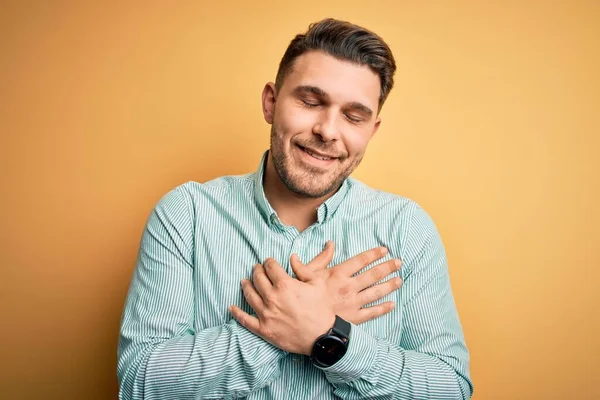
(308, 184)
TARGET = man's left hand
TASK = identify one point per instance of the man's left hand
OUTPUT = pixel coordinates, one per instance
(290, 314)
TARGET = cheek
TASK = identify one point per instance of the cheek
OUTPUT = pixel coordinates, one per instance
(356, 143)
(292, 120)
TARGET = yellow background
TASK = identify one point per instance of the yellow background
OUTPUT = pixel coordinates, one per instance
(493, 127)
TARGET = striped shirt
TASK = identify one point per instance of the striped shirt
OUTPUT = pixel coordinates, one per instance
(178, 340)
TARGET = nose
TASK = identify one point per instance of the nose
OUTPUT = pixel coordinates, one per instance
(327, 126)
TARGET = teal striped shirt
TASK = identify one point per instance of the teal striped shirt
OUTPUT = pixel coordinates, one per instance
(178, 340)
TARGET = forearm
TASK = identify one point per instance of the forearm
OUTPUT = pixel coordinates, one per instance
(373, 368)
(224, 361)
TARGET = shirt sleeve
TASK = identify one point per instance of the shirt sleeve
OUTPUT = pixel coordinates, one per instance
(160, 355)
(431, 361)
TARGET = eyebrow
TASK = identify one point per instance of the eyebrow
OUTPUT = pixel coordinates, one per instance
(361, 107)
(310, 89)
(320, 92)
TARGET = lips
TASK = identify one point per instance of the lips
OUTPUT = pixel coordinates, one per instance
(316, 154)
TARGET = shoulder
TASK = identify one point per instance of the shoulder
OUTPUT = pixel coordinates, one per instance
(190, 196)
(401, 208)
(194, 189)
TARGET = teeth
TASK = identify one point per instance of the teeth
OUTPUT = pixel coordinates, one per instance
(316, 156)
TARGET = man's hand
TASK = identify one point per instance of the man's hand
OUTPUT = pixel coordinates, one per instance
(291, 314)
(350, 294)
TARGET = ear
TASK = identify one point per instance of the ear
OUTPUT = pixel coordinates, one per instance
(269, 95)
(376, 126)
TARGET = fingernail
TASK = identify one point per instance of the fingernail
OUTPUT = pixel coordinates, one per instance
(328, 244)
(392, 306)
(398, 282)
(397, 263)
(384, 250)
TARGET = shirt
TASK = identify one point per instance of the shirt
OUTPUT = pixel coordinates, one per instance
(178, 339)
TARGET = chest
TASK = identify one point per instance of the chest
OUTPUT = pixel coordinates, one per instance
(225, 256)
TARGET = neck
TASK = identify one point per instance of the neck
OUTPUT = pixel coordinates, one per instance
(291, 208)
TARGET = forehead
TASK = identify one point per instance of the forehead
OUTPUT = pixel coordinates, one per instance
(342, 80)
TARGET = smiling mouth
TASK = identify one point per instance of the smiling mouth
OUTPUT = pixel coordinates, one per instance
(317, 155)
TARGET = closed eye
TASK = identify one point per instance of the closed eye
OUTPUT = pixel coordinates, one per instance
(352, 119)
(309, 104)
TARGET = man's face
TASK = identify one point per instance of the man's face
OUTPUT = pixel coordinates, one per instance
(322, 120)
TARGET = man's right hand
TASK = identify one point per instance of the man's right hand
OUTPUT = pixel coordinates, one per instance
(351, 293)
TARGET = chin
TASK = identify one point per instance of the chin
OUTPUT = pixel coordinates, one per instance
(310, 193)
(302, 188)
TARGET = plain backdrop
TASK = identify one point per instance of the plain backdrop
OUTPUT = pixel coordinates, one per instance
(492, 127)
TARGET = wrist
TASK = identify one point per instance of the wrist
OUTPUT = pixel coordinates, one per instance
(330, 347)
(323, 329)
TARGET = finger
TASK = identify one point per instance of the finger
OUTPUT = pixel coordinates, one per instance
(359, 261)
(302, 272)
(246, 320)
(261, 281)
(377, 292)
(274, 271)
(377, 273)
(370, 313)
(322, 260)
(252, 296)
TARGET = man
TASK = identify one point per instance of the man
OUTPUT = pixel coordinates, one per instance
(319, 313)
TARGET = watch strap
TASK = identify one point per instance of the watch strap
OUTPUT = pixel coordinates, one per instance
(341, 328)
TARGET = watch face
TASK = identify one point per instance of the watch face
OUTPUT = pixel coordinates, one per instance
(328, 350)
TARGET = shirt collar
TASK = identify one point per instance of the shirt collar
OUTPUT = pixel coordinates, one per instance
(324, 212)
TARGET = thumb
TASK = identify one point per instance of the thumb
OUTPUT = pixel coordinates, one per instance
(304, 274)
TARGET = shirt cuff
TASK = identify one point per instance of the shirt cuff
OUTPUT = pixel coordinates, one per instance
(358, 360)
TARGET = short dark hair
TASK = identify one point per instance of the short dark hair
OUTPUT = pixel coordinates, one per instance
(345, 41)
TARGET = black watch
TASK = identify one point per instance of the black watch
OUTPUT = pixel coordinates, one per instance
(331, 347)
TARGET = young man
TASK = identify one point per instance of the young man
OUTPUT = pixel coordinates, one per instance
(319, 313)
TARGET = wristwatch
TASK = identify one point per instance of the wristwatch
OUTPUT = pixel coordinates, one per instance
(331, 347)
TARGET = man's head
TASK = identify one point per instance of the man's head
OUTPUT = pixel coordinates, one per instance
(324, 105)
